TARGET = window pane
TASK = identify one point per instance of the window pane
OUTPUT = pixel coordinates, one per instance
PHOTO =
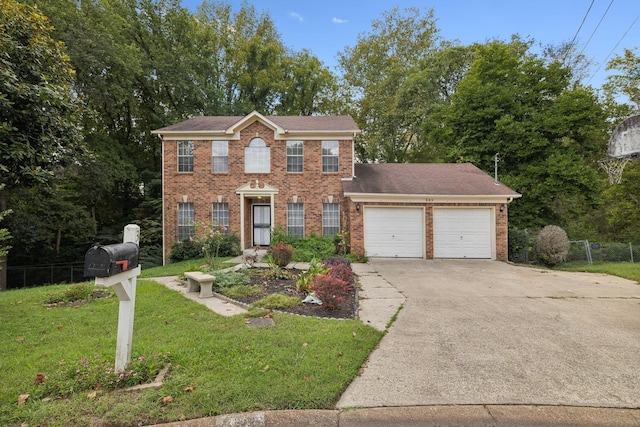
(257, 157)
(330, 155)
(330, 219)
(221, 216)
(220, 158)
(185, 156)
(294, 156)
(185, 221)
(295, 219)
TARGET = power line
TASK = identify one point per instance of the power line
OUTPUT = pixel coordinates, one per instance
(597, 26)
(614, 48)
(582, 23)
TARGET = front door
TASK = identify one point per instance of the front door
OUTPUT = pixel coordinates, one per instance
(261, 225)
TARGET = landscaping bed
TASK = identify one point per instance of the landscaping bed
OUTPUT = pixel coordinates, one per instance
(347, 309)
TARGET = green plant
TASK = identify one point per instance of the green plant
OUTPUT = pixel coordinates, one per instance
(216, 242)
(341, 242)
(281, 254)
(305, 278)
(75, 292)
(94, 373)
(553, 245)
(276, 301)
(357, 258)
(330, 290)
(228, 279)
(241, 291)
(189, 249)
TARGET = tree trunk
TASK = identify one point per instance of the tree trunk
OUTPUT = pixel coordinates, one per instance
(3, 273)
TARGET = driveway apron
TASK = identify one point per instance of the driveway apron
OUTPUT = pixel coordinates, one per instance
(487, 332)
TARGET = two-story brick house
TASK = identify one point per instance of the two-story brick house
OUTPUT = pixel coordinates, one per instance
(251, 173)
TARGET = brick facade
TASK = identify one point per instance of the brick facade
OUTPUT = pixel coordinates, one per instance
(203, 187)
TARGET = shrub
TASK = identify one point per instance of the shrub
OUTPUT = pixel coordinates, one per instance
(330, 290)
(230, 278)
(242, 291)
(276, 301)
(334, 260)
(518, 245)
(281, 254)
(342, 272)
(189, 249)
(553, 245)
(305, 279)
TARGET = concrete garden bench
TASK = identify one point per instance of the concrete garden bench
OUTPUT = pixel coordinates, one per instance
(199, 281)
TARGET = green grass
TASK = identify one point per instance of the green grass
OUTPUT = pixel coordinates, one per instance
(622, 269)
(241, 291)
(276, 301)
(178, 268)
(219, 364)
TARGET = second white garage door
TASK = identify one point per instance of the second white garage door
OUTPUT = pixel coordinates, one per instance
(394, 232)
(462, 233)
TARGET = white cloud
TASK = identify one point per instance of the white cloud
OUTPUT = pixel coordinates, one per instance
(338, 20)
(297, 16)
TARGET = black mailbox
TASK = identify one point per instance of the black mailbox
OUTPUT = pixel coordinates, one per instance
(108, 260)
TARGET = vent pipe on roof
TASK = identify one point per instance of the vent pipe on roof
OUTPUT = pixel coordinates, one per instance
(496, 159)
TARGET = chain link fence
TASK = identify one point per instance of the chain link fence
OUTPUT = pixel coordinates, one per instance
(522, 246)
(22, 276)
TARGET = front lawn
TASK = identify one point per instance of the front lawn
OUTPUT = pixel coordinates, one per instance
(627, 270)
(219, 364)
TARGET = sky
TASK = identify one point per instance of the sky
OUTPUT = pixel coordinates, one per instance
(602, 28)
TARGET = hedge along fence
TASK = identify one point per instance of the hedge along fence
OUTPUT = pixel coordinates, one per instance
(522, 245)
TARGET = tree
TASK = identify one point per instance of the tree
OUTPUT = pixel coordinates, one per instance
(626, 82)
(548, 134)
(39, 112)
(375, 69)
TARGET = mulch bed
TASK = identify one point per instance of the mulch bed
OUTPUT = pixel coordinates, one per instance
(346, 310)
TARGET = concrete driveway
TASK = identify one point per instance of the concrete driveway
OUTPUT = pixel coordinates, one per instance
(486, 332)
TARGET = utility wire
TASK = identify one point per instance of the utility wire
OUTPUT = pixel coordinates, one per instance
(614, 48)
(597, 26)
(580, 27)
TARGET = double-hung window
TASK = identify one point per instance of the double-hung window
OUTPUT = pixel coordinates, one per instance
(220, 156)
(185, 221)
(330, 219)
(257, 157)
(220, 216)
(294, 156)
(330, 151)
(185, 156)
(295, 219)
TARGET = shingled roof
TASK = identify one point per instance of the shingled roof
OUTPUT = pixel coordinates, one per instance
(289, 123)
(428, 179)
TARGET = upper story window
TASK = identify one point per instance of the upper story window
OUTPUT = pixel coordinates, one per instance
(185, 156)
(330, 153)
(257, 157)
(186, 228)
(294, 156)
(220, 156)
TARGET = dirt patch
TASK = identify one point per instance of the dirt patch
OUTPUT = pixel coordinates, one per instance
(346, 310)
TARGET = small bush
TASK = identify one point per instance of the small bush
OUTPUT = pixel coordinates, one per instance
(276, 301)
(189, 249)
(331, 291)
(76, 292)
(230, 278)
(342, 272)
(334, 260)
(281, 254)
(553, 245)
(242, 291)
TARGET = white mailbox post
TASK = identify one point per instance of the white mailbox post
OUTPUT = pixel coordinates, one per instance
(124, 285)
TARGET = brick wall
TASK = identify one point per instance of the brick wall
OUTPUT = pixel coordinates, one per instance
(202, 187)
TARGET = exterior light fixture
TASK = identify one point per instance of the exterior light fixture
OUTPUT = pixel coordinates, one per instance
(358, 207)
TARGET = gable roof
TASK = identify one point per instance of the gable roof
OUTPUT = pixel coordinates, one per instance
(424, 179)
(282, 124)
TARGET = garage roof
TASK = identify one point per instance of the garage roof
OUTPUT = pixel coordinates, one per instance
(428, 179)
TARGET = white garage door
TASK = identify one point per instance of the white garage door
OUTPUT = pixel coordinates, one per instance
(462, 233)
(394, 232)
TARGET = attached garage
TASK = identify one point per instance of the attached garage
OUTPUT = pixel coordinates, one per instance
(427, 210)
(463, 233)
(394, 232)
